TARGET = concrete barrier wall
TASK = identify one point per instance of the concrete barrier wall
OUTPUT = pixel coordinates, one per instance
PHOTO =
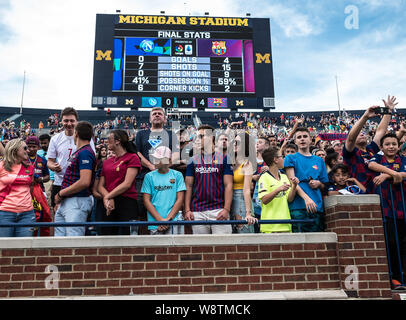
(123, 265)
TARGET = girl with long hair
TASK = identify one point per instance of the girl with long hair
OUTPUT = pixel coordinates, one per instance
(117, 182)
(243, 170)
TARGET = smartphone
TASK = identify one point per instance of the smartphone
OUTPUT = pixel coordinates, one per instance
(382, 110)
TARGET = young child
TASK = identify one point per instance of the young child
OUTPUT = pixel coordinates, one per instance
(275, 191)
(163, 192)
(290, 148)
(342, 183)
(391, 165)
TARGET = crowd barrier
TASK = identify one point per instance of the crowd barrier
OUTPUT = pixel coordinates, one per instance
(394, 254)
(394, 262)
(40, 225)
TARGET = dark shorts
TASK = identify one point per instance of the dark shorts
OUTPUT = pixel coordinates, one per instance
(317, 225)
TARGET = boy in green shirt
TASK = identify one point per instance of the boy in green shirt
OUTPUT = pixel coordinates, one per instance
(275, 191)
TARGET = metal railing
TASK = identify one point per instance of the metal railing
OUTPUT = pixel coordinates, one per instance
(395, 246)
(40, 225)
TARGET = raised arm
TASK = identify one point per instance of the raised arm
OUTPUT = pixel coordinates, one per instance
(383, 124)
(356, 129)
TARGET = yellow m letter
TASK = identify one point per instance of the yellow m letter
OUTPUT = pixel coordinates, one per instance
(263, 58)
(100, 55)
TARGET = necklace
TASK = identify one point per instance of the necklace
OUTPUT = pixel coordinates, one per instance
(33, 163)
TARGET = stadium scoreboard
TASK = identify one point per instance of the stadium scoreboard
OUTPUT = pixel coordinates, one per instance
(182, 61)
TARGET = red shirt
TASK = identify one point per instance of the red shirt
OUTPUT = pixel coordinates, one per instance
(115, 169)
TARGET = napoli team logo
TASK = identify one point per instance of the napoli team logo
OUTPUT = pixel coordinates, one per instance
(219, 47)
(147, 45)
(152, 102)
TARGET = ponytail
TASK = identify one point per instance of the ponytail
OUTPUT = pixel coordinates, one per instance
(129, 147)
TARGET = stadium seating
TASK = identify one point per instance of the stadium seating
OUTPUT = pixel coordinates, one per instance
(35, 115)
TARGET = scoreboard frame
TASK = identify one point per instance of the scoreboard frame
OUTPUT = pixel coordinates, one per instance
(111, 29)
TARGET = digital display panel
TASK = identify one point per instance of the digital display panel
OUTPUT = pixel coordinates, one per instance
(178, 61)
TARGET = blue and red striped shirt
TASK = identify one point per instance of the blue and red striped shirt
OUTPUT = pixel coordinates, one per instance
(208, 172)
(82, 159)
(357, 163)
(394, 203)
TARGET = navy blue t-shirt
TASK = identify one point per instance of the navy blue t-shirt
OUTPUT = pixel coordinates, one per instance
(146, 141)
(82, 159)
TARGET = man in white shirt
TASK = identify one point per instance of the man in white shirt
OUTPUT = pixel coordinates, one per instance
(61, 147)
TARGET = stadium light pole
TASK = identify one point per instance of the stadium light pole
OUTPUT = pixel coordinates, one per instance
(338, 98)
(22, 95)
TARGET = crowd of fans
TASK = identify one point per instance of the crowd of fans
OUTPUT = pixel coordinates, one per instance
(246, 170)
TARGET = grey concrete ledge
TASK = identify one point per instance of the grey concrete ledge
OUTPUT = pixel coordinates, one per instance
(242, 296)
(363, 199)
(165, 240)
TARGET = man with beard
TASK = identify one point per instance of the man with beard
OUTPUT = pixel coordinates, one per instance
(209, 185)
(357, 151)
(146, 142)
(61, 147)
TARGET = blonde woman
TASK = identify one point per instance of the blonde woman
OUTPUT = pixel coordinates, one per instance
(16, 177)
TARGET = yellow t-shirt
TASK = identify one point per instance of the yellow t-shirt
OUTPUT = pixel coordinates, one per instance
(278, 208)
(238, 178)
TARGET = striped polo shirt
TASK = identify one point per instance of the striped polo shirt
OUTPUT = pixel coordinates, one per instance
(208, 172)
(82, 159)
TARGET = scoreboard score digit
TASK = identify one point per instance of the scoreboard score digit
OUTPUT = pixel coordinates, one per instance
(187, 62)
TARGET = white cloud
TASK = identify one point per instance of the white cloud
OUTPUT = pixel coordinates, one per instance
(293, 22)
(375, 4)
(366, 74)
(53, 40)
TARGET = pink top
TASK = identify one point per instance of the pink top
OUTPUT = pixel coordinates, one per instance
(15, 193)
(115, 169)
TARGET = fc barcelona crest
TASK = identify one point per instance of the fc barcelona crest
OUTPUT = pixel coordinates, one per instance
(219, 47)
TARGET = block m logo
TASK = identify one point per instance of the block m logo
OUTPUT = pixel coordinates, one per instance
(263, 58)
(100, 55)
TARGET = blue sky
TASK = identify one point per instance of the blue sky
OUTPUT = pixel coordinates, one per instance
(53, 41)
